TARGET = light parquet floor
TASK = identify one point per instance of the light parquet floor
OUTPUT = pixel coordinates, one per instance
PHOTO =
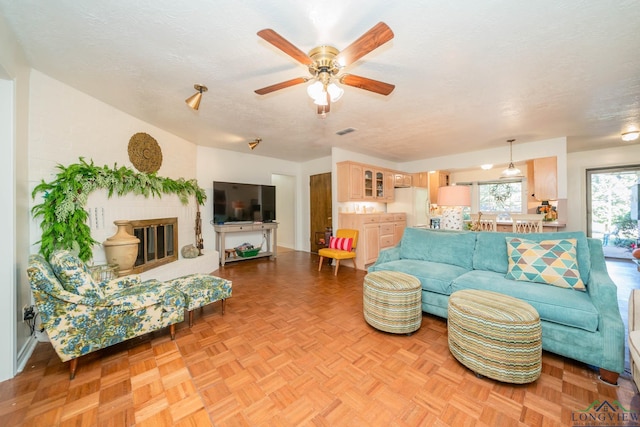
(292, 349)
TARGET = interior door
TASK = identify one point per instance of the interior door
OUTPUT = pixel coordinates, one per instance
(320, 208)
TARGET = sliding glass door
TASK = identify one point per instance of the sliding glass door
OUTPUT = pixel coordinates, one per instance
(612, 208)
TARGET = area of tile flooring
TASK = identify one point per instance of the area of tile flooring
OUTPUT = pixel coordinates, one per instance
(293, 349)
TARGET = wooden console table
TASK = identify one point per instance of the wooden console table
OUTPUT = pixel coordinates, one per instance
(270, 230)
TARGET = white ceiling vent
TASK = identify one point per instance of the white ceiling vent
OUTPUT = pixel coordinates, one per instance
(345, 131)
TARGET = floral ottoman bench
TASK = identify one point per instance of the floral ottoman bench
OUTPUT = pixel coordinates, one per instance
(200, 290)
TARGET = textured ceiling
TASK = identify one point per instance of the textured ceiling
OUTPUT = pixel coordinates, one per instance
(469, 74)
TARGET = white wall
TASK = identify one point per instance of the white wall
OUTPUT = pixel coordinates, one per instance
(620, 155)
(67, 124)
(221, 165)
(14, 124)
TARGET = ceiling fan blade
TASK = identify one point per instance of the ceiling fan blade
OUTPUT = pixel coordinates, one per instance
(367, 84)
(281, 85)
(375, 37)
(284, 45)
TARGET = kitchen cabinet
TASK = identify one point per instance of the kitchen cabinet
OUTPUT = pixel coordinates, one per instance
(542, 179)
(370, 244)
(361, 183)
(437, 179)
(402, 180)
(420, 179)
(350, 181)
(545, 175)
(376, 231)
(399, 224)
(389, 188)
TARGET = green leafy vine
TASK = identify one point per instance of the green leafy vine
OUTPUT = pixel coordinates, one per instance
(63, 214)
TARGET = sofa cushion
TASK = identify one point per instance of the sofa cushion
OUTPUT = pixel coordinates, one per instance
(491, 250)
(552, 262)
(434, 276)
(554, 304)
(448, 247)
(73, 274)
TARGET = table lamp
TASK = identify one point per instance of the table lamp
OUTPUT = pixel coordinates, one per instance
(452, 198)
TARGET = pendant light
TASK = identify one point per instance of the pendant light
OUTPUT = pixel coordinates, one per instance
(511, 171)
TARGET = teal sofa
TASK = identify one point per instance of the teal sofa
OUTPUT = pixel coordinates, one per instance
(585, 326)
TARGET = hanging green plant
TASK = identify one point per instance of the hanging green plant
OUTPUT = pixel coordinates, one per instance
(63, 214)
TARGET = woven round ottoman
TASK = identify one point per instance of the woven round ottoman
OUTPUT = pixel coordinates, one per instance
(392, 301)
(495, 335)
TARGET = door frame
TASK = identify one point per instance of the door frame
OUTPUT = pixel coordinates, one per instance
(592, 171)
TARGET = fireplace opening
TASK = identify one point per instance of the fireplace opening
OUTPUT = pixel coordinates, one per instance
(158, 242)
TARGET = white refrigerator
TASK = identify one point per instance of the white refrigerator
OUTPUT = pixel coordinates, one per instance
(414, 201)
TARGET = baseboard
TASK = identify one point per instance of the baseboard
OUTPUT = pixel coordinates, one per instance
(25, 353)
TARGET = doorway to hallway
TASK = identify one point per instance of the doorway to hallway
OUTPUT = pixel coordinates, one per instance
(285, 210)
(612, 209)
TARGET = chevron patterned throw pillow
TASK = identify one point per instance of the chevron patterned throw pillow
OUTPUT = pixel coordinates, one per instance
(552, 262)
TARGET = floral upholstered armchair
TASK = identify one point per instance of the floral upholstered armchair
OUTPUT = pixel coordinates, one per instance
(81, 316)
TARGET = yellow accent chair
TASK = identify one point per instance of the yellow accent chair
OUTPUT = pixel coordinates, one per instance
(338, 254)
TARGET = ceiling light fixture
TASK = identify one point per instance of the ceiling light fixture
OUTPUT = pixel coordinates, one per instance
(253, 144)
(326, 62)
(511, 171)
(632, 135)
(194, 100)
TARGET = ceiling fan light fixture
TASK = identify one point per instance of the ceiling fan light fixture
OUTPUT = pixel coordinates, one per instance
(194, 100)
(335, 92)
(632, 135)
(315, 90)
(321, 101)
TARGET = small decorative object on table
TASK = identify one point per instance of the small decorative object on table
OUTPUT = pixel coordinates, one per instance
(189, 251)
(247, 250)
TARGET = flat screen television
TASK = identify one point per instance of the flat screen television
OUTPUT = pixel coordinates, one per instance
(235, 202)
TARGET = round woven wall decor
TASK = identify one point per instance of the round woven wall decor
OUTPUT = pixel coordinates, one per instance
(145, 153)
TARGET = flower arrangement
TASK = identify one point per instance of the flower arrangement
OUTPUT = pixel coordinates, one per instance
(64, 219)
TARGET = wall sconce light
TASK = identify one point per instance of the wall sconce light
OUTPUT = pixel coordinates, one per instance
(194, 100)
(253, 144)
(631, 135)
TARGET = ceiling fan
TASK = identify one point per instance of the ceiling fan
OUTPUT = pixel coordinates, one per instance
(325, 62)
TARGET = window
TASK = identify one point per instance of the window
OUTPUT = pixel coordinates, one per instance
(499, 196)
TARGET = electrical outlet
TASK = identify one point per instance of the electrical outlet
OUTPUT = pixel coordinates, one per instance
(29, 312)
